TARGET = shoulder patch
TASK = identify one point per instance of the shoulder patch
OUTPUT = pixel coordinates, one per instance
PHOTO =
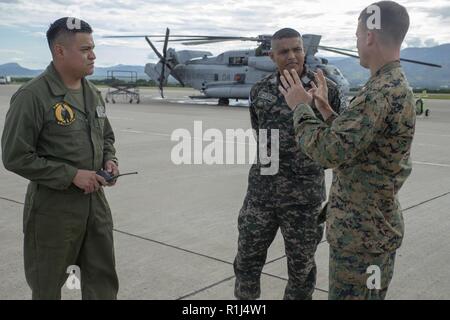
(100, 111)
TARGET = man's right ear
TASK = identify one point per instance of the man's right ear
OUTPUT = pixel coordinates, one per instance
(58, 50)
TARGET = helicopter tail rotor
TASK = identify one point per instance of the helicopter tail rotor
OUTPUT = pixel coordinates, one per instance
(163, 60)
(155, 72)
(164, 63)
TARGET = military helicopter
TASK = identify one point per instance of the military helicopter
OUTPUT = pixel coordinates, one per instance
(231, 74)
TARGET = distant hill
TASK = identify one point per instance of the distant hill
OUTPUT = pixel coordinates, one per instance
(15, 70)
(422, 76)
(101, 73)
(418, 75)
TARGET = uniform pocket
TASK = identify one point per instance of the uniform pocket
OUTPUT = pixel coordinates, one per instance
(100, 122)
(78, 124)
(100, 125)
(29, 203)
(72, 135)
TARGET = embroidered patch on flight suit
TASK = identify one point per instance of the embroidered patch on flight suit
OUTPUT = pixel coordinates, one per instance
(64, 114)
(101, 111)
(267, 96)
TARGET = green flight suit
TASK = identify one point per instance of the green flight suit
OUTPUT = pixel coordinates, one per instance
(47, 137)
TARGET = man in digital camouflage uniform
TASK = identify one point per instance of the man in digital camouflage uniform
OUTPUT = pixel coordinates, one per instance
(57, 136)
(368, 146)
(290, 199)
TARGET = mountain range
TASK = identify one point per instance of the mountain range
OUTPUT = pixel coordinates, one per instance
(16, 70)
(418, 75)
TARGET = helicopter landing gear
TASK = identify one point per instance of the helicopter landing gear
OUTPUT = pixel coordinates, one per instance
(420, 108)
(224, 102)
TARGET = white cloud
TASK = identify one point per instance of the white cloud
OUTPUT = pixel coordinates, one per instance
(8, 51)
(335, 20)
(430, 43)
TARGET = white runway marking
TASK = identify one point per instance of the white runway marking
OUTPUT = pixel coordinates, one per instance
(433, 134)
(189, 138)
(132, 131)
(432, 164)
(428, 145)
(120, 118)
(146, 132)
(221, 141)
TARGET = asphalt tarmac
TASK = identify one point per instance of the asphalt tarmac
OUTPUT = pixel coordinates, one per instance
(176, 225)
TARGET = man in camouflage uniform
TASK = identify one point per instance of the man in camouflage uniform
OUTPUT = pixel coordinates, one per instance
(291, 199)
(368, 146)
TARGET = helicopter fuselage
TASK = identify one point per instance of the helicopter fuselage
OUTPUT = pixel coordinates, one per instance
(231, 74)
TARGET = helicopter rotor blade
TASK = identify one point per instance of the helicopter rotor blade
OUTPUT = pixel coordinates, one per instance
(339, 52)
(163, 69)
(179, 80)
(401, 59)
(160, 56)
(422, 63)
(166, 39)
(152, 36)
(133, 36)
(164, 64)
(217, 38)
(196, 43)
(188, 37)
(333, 48)
(153, 48)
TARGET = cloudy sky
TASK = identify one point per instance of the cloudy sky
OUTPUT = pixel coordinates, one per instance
(23, 24)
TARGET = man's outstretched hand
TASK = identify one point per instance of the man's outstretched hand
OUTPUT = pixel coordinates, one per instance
(292, 89)
(294, 92)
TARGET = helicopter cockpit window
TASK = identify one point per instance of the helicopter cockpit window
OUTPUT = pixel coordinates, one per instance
(237, 61)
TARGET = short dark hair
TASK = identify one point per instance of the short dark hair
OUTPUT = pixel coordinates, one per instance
(286, 33)
(394, 21)
(64, 27)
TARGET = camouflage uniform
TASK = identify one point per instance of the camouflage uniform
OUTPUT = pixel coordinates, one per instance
(348, 274)
(289, 200)
(368, 146)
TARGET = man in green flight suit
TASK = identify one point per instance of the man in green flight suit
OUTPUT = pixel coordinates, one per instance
(57, 136)
(368, 147)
